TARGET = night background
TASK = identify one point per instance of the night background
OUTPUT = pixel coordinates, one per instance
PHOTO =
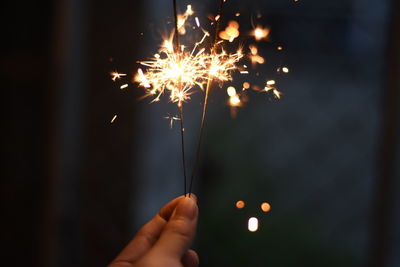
(77, 187)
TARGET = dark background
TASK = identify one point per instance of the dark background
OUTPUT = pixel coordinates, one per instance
(76, 187)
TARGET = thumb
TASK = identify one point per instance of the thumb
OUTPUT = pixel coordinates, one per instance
(180, 230)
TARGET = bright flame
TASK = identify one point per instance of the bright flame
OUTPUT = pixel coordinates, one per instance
(252, 224)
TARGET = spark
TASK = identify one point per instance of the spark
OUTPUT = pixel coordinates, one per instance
(231, 91)
(182, 18)
(113, 119)
(254, 56)
(115, 75)
(172, 119)
(270, 86)
(246, 85)
(231, 31)
(260, 33)
(123, 86)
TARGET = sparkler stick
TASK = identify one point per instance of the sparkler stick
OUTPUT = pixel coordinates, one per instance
(208, 87)
(180, 105)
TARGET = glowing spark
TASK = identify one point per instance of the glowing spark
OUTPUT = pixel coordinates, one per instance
(124, 86)
(237, 14)
(197, 21)
(246, 85)
(115, 75)
(182, 19)
(231, 91)
(280, 48)
(265, 207)
(254, 57)
(252, 224)
(271, 82)
(231, 32)
(260, 33)
(270, 86)
(113, 119)
(234, 101)
(240, 204)
(285, 70)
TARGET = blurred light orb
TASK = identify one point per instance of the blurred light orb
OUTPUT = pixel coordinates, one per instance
(240, 204)
(252, 224)
(265, 207)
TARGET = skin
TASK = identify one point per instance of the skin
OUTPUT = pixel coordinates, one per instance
(165, 239)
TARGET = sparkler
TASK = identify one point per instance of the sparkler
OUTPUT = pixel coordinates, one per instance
(177, 71)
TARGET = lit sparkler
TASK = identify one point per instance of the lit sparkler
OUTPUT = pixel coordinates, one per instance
(177, 71)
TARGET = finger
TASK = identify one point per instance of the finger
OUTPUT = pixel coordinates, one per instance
(190, 259)
(178, 233)
(147, 235)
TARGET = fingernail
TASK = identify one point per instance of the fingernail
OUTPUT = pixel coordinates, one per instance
(186, 208)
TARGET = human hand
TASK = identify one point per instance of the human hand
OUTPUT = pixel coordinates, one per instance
(165, 240)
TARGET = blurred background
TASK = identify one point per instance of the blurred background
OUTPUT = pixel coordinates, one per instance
(325, 157)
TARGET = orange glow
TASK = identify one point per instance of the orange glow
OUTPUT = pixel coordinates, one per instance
(252, 224)
(254, 57)
(265, 207)
(246, 85)
(231, 32)
(240, 204)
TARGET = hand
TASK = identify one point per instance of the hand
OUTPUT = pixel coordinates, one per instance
(165, 240)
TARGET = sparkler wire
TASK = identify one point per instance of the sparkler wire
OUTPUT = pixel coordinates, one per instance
(180, 104)
(208, 87)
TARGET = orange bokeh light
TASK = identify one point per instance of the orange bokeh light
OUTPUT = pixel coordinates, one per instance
(240, 204)
(265, 207)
